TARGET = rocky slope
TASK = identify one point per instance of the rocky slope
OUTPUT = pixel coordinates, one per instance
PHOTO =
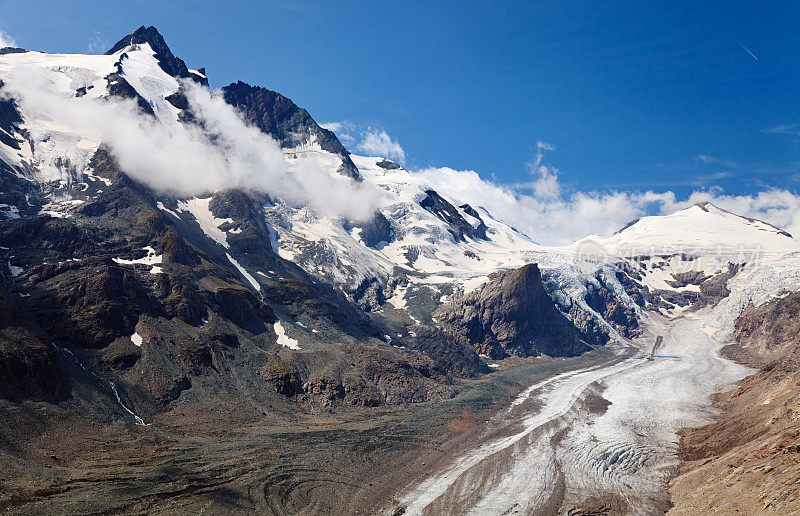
(748, 462)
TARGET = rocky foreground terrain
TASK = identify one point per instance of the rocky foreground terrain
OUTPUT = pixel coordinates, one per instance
(208, 304)
(748, 462)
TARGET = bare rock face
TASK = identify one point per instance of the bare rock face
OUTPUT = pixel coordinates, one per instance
(460, 228)
(28, 367)
(622, 317)
(713, 289)
(282, 119)
(512, 314)
(376, 231)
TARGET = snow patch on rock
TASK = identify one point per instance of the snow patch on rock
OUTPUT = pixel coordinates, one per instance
(199, 208)
(283, 339)
(249, 277)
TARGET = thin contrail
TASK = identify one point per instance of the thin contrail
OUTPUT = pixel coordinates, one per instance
(746, 49)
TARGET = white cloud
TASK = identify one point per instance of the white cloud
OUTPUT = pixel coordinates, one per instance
(186, 160)
(344, 130)
(98, 44)
(370, 141)
(792, 129)
(6, 40)
(377, 142)
(550, 217)
(545, 185)
(331, 126)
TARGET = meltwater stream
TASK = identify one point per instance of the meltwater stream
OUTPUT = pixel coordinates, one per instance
(112, 385)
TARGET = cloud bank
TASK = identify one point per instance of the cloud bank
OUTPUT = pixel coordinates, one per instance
(224, 152)
(192, 159)
(541, 210)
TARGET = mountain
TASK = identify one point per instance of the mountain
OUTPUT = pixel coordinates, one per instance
(171, 65)
(683, 261)
(701, 228)
(158, 298)
(511, 314)
(186, 277)
(155, 291)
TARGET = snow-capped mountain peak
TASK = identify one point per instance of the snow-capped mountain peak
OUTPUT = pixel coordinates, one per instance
(700, 229)
(172, 65)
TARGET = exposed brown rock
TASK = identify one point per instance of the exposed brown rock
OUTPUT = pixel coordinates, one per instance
(512, 314)
(747, 462)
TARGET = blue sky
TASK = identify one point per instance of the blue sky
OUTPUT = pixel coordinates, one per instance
(674, 96)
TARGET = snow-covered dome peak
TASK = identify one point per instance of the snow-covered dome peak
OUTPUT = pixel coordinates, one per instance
(700, 229)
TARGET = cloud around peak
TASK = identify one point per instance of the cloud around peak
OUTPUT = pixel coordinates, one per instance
(370, 140)
(542, 210)
(220, 152)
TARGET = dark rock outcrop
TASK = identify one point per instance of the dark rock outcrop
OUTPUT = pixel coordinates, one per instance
(375, 231)
(28, 366)
(712, 288)
(458, 225)
(388, 164)
(480, 228)
(611, 309)
(9, 120)
(512, 314)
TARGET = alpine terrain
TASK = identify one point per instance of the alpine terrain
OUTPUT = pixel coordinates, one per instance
(210, 305)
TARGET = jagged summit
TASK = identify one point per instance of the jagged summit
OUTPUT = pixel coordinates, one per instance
(291, 125)
(166, 59)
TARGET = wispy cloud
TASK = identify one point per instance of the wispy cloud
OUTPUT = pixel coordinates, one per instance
(377, 142)
(792, 129)
(97, 44)
(711, 160)
(6, 40)
(545, 183)
(344, 130)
